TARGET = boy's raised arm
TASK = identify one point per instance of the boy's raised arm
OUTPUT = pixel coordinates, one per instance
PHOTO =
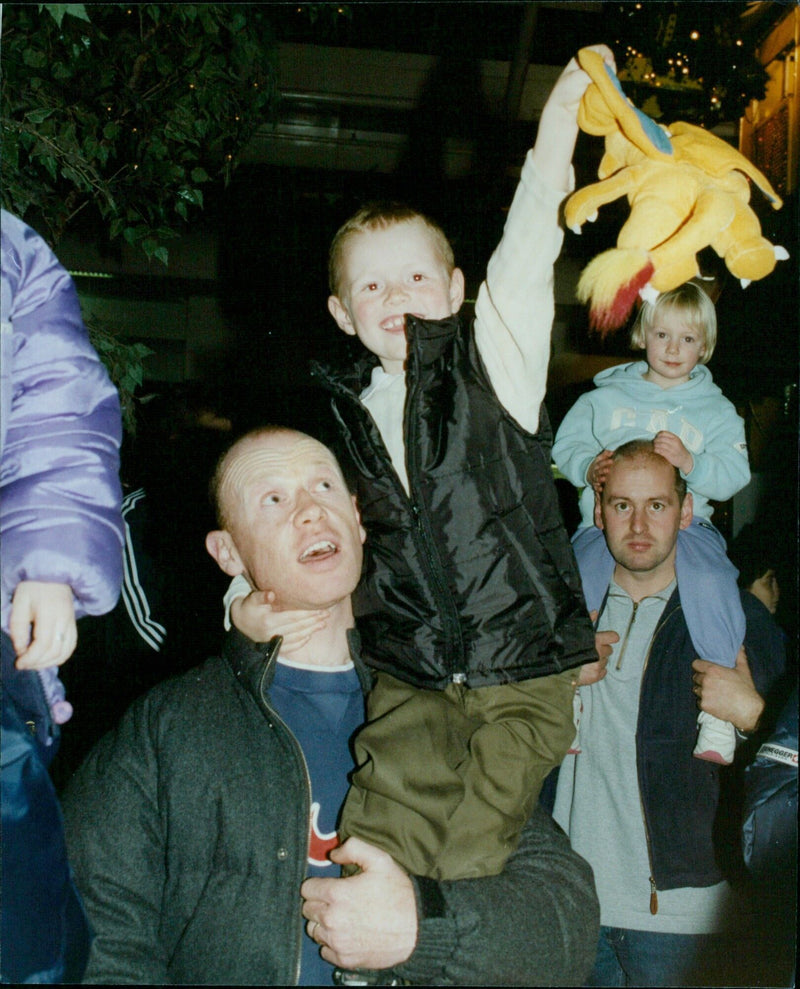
(722, 468)
(515, 305)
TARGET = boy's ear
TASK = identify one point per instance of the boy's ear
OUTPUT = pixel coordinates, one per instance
(337, 309)
(221, 546)
(457, 290)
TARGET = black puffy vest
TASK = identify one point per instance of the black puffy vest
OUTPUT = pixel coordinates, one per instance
(473, 576)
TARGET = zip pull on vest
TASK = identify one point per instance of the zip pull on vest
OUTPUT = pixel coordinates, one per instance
(653, 897)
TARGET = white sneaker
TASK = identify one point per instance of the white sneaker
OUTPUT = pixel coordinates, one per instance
(716, 740)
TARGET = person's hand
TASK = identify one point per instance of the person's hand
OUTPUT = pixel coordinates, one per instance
(598, 470)
(558, 126)
(368, 920)
(255, 616)
(573, 81)
(671, 448)
(42, 624)
(603, 641)
(728, 694)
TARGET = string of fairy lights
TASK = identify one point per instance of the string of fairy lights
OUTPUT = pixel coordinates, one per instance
(696, 54)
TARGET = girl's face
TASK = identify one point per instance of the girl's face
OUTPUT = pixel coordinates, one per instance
(672, 348)
(767, 591)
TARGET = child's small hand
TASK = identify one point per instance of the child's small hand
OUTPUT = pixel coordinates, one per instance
(573, 81)
(255, 616)
(598, 470)
(671, 448)
(558, 126)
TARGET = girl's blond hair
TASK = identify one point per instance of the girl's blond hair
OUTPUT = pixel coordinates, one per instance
(691, 303)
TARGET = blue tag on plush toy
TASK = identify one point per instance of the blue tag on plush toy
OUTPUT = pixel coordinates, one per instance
(656, 135)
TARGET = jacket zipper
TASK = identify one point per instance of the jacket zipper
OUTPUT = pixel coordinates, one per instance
(653, 888)
(274, 718)
(421, 530)
(627, 636)
(425, 544)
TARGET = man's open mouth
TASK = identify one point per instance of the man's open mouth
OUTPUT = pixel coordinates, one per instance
(318, 551)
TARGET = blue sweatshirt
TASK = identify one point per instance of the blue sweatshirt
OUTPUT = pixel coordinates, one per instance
(624, 406)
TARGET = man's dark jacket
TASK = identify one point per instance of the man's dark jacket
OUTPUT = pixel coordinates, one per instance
(680, 794)
(188, 829)
(473, 575)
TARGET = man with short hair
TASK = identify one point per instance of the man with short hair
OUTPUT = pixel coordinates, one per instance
(194, 824)
(634, 801)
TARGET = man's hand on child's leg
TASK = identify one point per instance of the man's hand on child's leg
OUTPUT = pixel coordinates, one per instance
(365, 921)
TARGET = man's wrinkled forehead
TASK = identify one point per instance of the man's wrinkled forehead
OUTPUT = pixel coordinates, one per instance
(642, 476)
(273, 459)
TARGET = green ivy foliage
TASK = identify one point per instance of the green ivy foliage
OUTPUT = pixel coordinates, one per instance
(128, 110)
(125, 365)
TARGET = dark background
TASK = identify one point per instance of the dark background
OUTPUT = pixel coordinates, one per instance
(272, 227)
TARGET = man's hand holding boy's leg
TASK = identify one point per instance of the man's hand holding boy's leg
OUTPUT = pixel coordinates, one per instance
(365, 921)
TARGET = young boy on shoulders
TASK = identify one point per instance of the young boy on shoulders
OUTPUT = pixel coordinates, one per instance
(470, 608)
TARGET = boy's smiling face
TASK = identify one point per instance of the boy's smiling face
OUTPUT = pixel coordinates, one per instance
(388, 272)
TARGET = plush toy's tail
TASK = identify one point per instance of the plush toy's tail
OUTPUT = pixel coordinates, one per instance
(611, 283)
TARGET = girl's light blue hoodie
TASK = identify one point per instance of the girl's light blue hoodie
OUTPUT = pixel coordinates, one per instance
(624, 406)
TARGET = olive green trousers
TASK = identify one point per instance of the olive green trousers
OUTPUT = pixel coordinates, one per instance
(446, 779)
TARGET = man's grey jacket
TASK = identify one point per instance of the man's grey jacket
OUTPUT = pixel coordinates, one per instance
(188, 829)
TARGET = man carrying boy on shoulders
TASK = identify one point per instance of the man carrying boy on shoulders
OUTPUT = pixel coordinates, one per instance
(193, 824)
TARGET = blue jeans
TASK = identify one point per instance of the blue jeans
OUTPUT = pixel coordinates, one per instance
(641, 958)
(44, 934)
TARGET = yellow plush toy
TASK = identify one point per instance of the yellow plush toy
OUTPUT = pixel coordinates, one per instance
(687, 189)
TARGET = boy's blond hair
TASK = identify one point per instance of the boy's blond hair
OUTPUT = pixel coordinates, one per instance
(378, 216)
(691, 303)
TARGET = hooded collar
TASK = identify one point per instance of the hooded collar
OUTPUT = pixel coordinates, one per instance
(427, 340)
(631, 376)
